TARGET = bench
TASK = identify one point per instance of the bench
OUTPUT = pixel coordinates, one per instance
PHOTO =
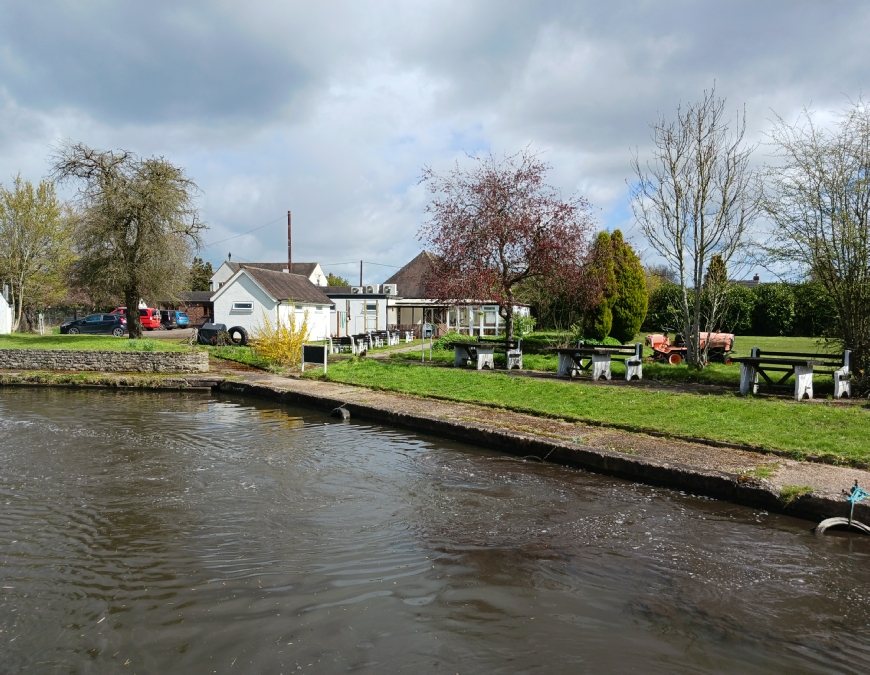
(797, 364)
(596, 360)
(482, 353)
(343, 344)
(409, 336)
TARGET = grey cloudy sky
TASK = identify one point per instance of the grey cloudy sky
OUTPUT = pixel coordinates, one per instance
(331, 108)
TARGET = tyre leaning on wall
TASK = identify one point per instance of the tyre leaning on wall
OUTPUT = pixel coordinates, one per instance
(238, 336)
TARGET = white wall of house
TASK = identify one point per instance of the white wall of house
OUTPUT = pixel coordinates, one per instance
(358, 314)
(318, 318)
(243, 303)
(318, 278)
(221, 276)
(231, 306)
(5, 316)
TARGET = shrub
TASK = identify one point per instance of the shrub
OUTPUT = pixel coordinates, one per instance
(523, 325)
(629, 305)
(665, 307)
(814, 311)
(445, 342)
(773, 313)
(739, 305)
(282, 342)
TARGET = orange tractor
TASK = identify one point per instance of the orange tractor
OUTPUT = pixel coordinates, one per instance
(666, 351)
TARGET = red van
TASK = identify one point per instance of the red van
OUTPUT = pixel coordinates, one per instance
(149, 317)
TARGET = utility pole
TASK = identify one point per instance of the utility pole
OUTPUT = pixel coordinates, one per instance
(289, 244)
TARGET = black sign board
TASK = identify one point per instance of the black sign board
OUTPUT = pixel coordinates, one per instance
(314, 354)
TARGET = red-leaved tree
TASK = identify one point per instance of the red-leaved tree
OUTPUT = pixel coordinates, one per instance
(496, 225)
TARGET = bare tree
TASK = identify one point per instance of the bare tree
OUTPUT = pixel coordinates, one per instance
(696, 198)
(137, 227)
(818, 199)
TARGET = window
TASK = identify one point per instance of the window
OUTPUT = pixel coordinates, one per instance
(319, 308)
(371, 307)
(220, 284)
(243, 306)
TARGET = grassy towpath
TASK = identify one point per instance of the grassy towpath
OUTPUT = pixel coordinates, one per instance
(798, 429)
(88, 342)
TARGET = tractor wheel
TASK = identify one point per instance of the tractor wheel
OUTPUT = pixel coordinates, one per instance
(675, 359)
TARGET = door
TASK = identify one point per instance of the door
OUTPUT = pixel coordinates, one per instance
(92, 324)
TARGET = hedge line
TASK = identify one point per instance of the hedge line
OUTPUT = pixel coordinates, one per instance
(768, 309)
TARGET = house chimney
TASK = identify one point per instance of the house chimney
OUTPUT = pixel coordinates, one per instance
(755, 278)
(229, 257)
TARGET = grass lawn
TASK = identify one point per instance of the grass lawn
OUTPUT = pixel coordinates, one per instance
(90, 342)
(243, 355)
(796, 428)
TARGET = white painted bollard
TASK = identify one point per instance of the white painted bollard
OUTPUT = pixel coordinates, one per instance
(485, 361)
(842, 383)
(459, 357)
(601, 366)
(803, 382)
(633, 369)
(748, 379)
(566, 365)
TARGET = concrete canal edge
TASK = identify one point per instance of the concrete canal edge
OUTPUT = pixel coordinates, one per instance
(757, 493)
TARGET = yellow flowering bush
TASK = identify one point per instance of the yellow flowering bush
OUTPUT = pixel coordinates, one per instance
(281, 342)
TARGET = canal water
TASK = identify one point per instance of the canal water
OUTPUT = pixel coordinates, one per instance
(188, 533)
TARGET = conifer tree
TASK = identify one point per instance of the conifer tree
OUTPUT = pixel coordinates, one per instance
(599, 318)
(629, 303)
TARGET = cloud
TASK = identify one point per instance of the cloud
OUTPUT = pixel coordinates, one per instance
(331, 109)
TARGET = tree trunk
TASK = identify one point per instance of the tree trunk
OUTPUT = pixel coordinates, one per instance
(134, 325)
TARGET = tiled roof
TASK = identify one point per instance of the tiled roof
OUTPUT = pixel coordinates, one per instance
(283, 286)
(195, 296)
(410, 280)
(306, 269)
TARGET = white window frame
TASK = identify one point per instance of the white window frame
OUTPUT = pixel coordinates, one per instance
(243, 306)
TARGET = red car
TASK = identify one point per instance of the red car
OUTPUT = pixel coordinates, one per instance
(150, 318)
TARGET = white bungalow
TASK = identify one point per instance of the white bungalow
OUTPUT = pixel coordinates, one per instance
(411, 305)
(313, 271)
(252, 293)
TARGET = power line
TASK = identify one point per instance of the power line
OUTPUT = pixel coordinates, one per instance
(243, 233)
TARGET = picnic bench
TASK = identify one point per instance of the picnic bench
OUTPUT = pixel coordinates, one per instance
(595, 360)
(775, 368)
(342, 344)
(482, 353)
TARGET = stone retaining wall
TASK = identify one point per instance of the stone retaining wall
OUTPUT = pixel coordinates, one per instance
(104, 361)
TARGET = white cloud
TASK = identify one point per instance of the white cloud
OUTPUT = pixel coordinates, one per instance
(331, 109)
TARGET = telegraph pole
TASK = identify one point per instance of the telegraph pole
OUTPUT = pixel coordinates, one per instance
(289, 244)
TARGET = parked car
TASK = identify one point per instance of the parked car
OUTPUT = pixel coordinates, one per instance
(170, 318)
(101, 324)
(149, 317)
